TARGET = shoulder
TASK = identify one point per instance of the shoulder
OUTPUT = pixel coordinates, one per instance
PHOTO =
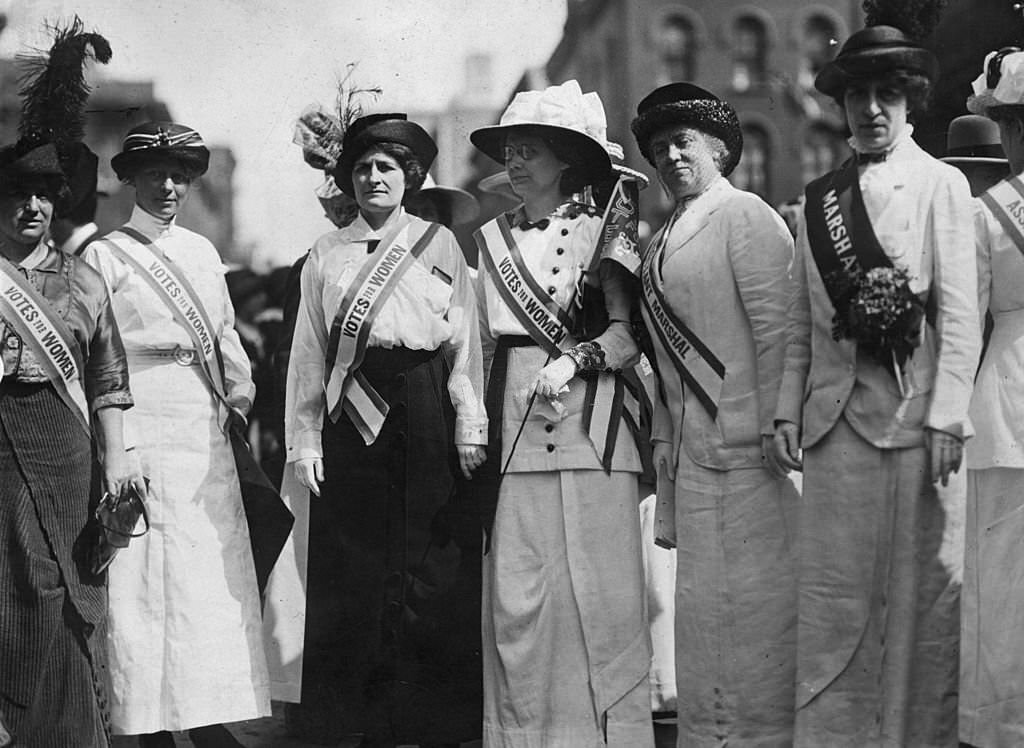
(195, 241)
(748, 210)
(85, 276)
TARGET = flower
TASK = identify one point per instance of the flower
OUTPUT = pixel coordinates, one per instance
(877, 310)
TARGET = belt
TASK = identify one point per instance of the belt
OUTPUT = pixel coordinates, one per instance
(176, 355)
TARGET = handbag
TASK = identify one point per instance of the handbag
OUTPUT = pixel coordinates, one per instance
(116, 518)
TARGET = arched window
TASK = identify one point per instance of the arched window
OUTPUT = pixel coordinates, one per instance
(677, 47)
(754, 169)
(750, 52)
(819, 45)
(821, 152)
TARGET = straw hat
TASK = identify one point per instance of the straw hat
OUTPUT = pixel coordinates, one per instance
(374, 129)
(874, 51)
(158, 140)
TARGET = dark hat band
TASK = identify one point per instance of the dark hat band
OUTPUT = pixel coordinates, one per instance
(976, 151)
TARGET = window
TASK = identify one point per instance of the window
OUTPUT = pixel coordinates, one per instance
(750, 52)
(821, 152)
(819, 35)
(752, 172)
(676, 44)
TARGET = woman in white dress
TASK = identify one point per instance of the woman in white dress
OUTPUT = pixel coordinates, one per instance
(185, 642)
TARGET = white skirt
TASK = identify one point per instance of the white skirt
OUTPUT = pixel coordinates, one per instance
(184, 632)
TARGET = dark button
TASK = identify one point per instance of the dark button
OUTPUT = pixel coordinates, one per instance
(400, 436)
(551, 289)
(549, 427)
(551, 448)
(559, 251)
(400, 377)
(554, 271)
(565, 232)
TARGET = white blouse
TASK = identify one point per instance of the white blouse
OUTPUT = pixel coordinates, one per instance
(432, 306)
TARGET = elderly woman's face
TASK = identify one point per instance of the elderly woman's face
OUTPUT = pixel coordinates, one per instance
(26, 210)
(684, 159)
(378, 181)
(161, 188)
(533, 168)
(876, 113)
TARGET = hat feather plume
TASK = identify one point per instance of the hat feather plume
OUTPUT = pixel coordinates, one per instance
(53, 87)
(915, 18)
(320, 132)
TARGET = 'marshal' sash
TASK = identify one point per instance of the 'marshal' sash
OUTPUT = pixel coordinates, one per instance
(541, 316)
(1006, 201)
(695, 363)
(41, 328)
(177, 293)
(347, 389)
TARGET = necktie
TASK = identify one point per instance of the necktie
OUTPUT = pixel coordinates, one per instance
(872, 158)
(371, 246)
(542, 224)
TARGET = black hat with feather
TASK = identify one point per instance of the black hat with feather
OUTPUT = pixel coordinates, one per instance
(890, 42)
(54, 94)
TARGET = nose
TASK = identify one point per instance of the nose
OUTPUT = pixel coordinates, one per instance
(871, 105)
(32, 203)
(167, 184)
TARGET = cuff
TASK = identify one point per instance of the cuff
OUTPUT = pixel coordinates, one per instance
(116, 399)
(305, 445)
(471, 430)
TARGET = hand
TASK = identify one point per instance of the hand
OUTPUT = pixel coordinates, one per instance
(946, 452)
(310, 472)
(553, 378)
(664, 457)
(786, 446)
(770, 458)
(471, 456)
(120, 469)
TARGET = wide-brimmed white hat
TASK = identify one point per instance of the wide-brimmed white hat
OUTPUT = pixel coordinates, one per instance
(1001, 82)
(562, 112)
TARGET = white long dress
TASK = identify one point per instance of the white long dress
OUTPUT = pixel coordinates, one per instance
(184, 628)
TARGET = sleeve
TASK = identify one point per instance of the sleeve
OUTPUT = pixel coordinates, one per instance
(797, 356)
(462, 350)
(100, 257)
(106, 369)
(983, 259)
(237, 368)
(950, 229)
(620, 288)
(761, 254)
(304, 390)
(488, 342)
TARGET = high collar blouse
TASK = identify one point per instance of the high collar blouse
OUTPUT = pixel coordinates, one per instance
(432, 306)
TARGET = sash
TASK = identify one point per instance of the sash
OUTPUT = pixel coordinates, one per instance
(839, 232)
(1006, 201)
(540, 315)
(347, 390)
(174, 289)
(696, 364)
(41, 328)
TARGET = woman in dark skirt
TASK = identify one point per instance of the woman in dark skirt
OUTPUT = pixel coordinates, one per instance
(387, 327)
(52, 610)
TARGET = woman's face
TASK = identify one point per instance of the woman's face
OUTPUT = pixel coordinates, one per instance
(876, 112)
(533, 169)
(378, 182)
(25, 212)
(161, 188)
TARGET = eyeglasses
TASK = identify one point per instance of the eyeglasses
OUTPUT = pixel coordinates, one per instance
(525, 151)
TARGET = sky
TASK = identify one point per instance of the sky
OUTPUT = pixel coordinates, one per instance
(241, 71)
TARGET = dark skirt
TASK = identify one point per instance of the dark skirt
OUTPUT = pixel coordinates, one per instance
(393, 603)
(51, 613)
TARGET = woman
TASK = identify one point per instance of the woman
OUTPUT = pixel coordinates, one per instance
(185, 643)
(716, 281)
(387, 329)
(566, 646)
(992, 654)
(52, 610)
(880, 412)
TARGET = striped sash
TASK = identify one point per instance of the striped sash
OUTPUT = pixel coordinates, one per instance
(41, 328)
(540, 315)
(1006, 201)
(696, 364)
(347, 389)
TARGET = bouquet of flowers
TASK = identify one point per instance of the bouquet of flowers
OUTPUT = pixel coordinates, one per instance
(878, 311)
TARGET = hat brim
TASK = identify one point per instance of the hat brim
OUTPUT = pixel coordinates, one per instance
(465, 208)
(979, 160)
(593, 159)
(692, 113)
(984, 102)
(874, 61)
(637, 176)
(194, 159)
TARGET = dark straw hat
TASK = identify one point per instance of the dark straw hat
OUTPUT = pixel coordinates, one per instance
(160, 140)
(374, 129)
(692, 106)
(973, 139)
(875, 51)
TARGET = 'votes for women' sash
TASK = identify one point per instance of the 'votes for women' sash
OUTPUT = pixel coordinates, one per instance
(1006, 201)
(347, 389)
(41, 328)
(694, 361)
(544, 320)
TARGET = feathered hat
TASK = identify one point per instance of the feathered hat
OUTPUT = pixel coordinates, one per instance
(374, 129)
(891, 41)
(687, 104)
(54, 94)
